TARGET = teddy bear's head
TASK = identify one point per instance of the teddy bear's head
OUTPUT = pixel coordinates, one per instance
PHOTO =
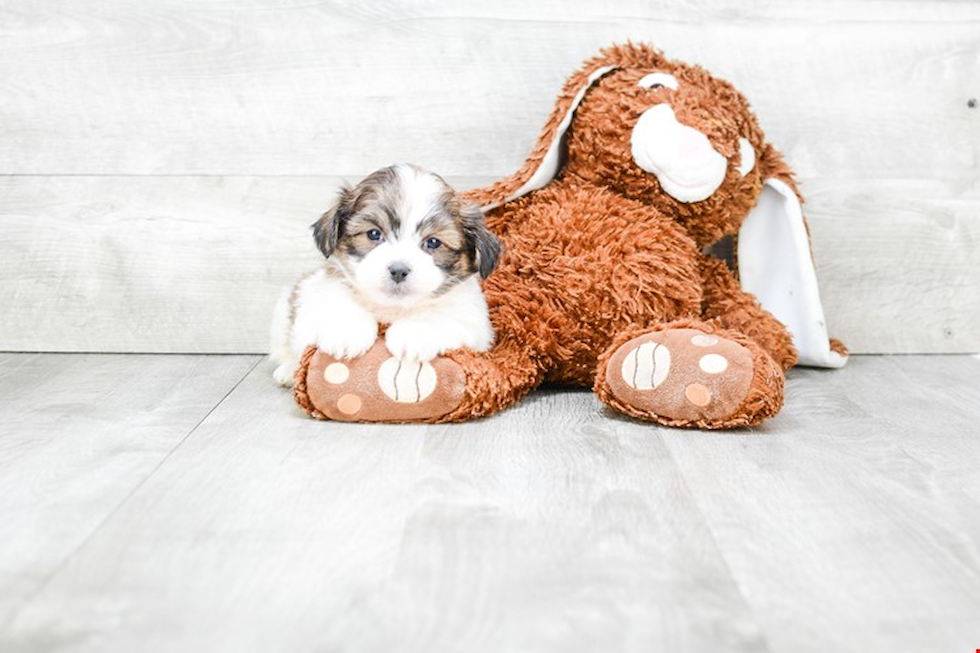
(661, 132)
(670, 135)
(674, 137)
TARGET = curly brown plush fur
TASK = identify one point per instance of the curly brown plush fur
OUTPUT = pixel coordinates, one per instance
(604, 280)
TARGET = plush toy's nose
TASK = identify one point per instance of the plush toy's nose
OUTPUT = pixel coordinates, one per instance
(688, 168)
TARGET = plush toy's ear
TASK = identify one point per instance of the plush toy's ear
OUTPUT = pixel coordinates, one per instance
(547, 156)
(776, 265)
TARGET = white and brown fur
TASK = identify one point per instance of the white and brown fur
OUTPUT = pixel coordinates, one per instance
(401, 249)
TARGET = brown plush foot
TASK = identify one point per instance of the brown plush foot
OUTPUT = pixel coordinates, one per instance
(377, 387)
(691, 377)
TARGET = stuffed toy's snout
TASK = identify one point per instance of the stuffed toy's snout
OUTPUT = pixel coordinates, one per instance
(688, 168)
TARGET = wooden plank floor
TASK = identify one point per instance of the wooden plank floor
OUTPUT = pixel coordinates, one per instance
(182, 503)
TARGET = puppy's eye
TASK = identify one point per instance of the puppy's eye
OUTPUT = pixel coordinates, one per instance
(433, 243)
(374, 234)
(656, 87)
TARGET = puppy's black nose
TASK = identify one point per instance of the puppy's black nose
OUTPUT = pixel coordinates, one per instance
(398, 272)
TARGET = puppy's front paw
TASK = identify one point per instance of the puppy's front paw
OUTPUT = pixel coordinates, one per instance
(416, 341)
(349, 339)
(284, 374)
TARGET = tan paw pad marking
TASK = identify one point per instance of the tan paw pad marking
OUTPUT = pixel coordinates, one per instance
(406, 382)
(647, 366)
(697, 394)
(336, 373)
(349, 404)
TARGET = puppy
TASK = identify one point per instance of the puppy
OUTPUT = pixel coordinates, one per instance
(401, 249)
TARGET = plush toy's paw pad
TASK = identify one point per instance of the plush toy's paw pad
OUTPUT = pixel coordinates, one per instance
(681, 374)
(377, 387)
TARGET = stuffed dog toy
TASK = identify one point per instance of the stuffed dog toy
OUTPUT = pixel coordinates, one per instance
(645, 170)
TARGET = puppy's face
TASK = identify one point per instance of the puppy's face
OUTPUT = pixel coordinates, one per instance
(402, 236)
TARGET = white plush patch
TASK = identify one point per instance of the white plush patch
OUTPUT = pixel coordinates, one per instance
(662, 79)
(713, 364)
(774, 264)
(704, 340)
(406, 382)
(336, 373)
(746, 155)
(688, 168)
(647, 366)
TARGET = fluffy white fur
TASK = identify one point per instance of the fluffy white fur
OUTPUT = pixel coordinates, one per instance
(339, 307)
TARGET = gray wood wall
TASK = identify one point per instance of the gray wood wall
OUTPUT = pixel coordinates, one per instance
(160, 162)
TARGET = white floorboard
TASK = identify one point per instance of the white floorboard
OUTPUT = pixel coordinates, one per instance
(191, 510)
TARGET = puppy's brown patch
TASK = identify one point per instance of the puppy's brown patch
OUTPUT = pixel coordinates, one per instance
(454, 256)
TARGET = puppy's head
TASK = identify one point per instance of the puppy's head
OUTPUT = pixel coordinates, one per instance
(402, 235)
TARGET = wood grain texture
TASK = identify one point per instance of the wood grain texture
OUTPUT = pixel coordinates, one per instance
(897, 263)
(79, 434)
(546, 528)
(152, 264)
(161, 163)
(851, 522)
(177, 264)
(867, 89)
(860, 502)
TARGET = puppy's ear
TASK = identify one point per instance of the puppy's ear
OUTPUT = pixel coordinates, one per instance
(329, 229)
(485, 246)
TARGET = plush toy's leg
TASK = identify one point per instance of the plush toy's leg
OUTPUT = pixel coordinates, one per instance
(690, 373)
(728, 306)
(379, 388)
(495, 379)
